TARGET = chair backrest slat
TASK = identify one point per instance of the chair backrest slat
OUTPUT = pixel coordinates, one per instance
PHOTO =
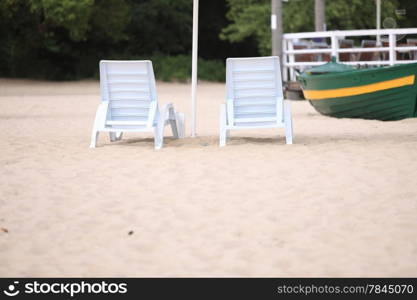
(254, 86)
(130, 87)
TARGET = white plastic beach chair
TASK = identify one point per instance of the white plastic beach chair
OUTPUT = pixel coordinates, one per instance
(129, 103)
(254, 97)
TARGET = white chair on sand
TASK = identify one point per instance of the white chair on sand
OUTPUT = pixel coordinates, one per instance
(129, 103)
(254, 97)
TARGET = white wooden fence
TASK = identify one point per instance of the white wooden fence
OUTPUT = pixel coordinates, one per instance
(392, 36)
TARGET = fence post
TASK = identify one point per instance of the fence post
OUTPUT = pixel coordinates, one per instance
(335, 46)
(392, 52)
(284, 60)
(292, 59)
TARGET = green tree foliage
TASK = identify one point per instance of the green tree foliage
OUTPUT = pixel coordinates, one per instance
(251, 18)
(410, 8)
(160, 26)
(65, 39)
(56, 39)
(70, 15)
(357, 14)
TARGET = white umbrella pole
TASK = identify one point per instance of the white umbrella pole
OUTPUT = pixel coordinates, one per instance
(194, 71)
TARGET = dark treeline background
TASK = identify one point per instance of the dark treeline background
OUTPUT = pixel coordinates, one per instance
(65, 39)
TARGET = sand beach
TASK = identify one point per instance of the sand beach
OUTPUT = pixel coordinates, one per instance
(340, 201)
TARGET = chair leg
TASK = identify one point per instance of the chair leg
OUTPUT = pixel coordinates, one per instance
(223, 131)
(177, 122)
(168, 115)
(157, 138)
(115, 136)
(119, 136)
(112, 136)
(99, 122)
(165, 116)
(288, 123)
(180, 117)
(94, 137)
(174, 128)
(159, 130)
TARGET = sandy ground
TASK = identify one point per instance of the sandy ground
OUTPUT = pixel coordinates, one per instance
(341, 201)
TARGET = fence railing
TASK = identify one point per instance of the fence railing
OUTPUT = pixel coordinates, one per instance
(392, 45)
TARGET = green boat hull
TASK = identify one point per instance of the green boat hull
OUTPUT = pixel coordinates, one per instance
(387, 93)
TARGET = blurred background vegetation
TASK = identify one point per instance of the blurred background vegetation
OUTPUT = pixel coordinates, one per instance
(65, 39)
